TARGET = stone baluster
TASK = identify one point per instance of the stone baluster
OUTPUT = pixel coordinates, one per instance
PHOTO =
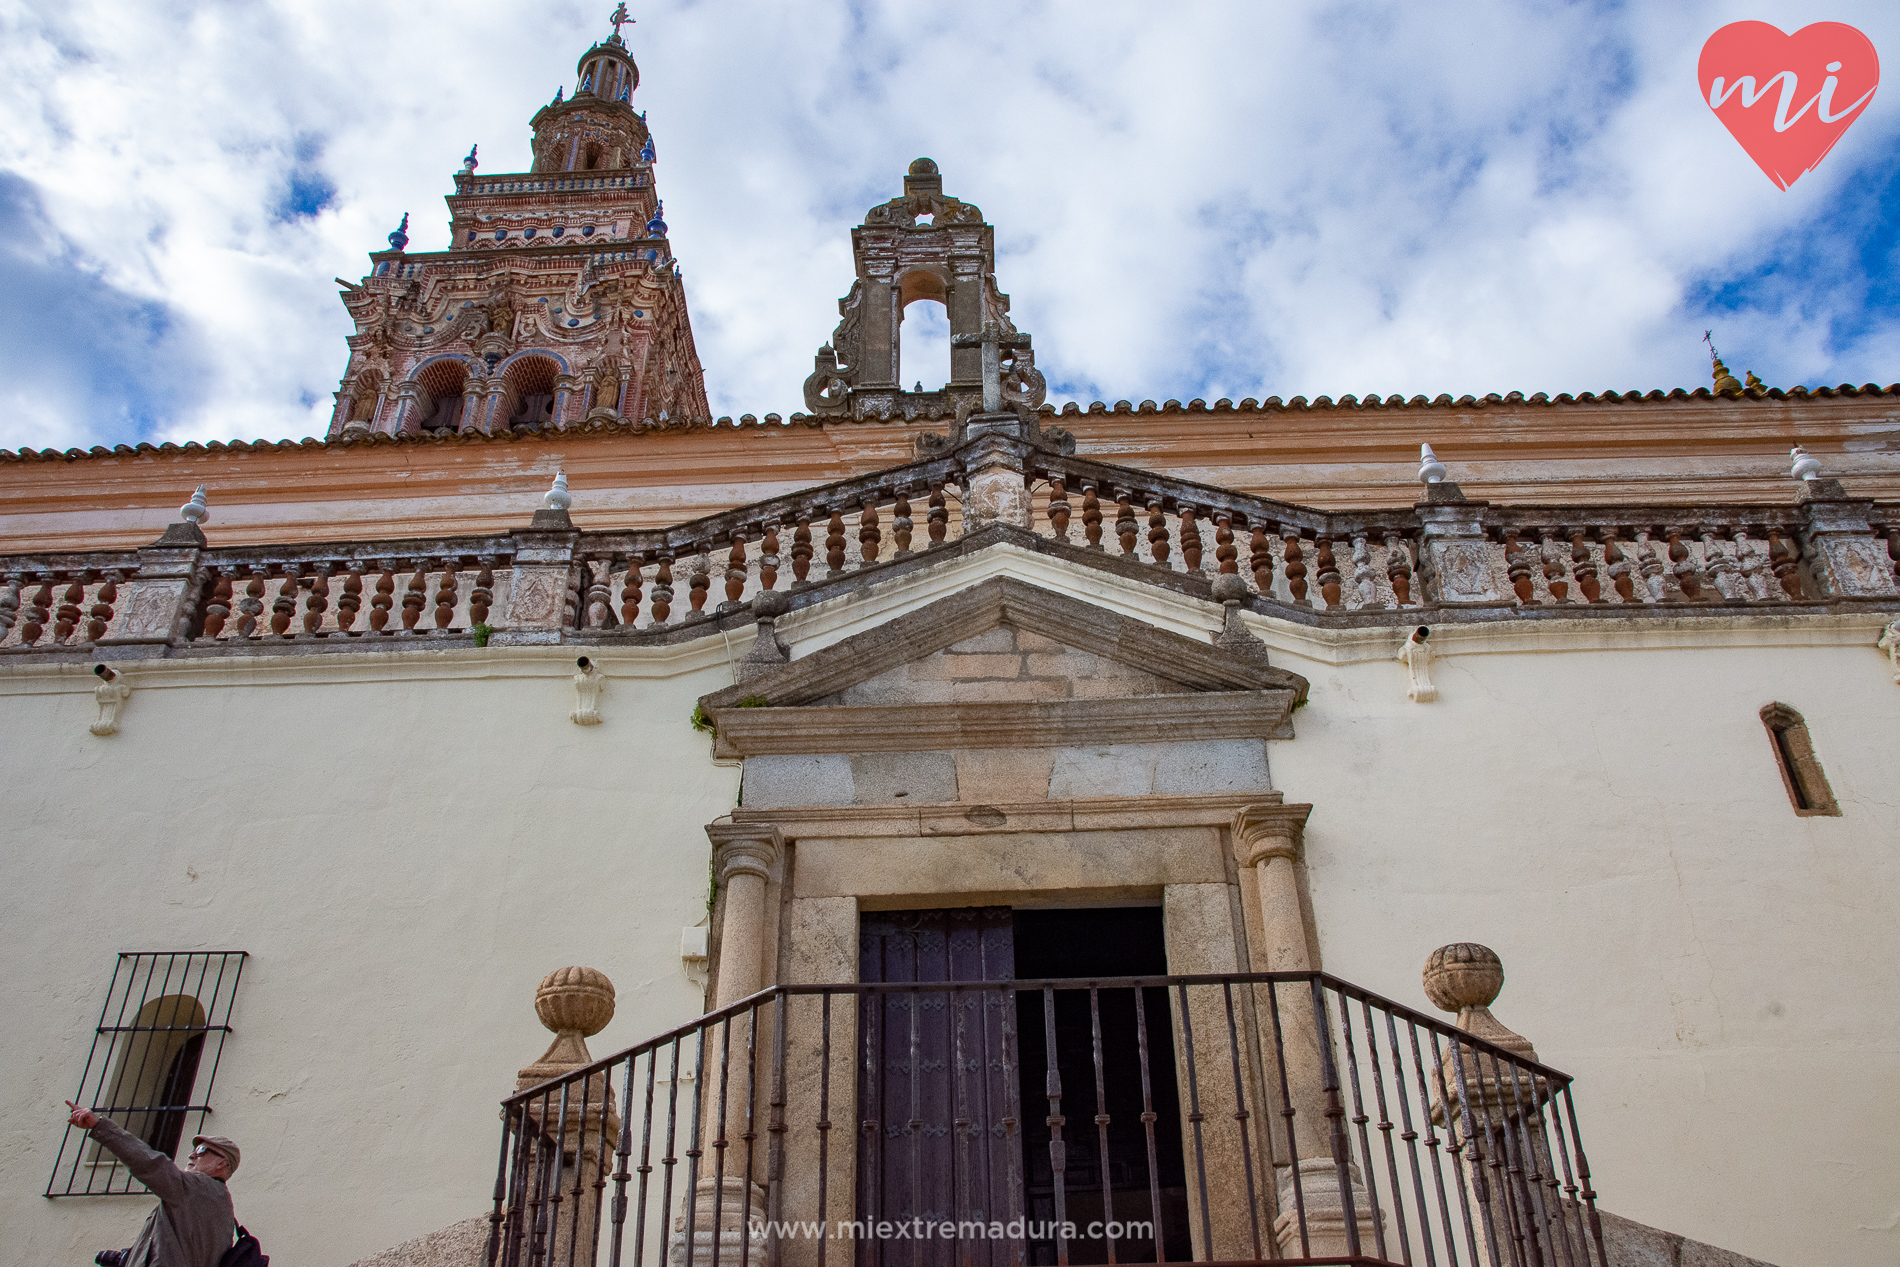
(1722, 571)
(939, 518)
(769, 558)
(699, 579)
(1556, 577)
(1125, 524)
(870, 540)
(1786, 565)
(900, 525)
(575, 1004)
(630, 593)
(1517, 564)
(415, 597)
(1755, 575)
(1091, 518)
(284, 607)
(384, 601)
(319, 600)
(1364, 579)
(1688, 576)
(801, 553)
(69, 610)
(350, 601)
(99, 618)
(663, 590)
(1260, 560)
(9, 605)
(599, 600)
(1226, 553)
(1618, 565)
(1295, 566)
(1398, 568)
(1157, 533)
(445, 594)
(1059, 508)
(834, 545)
(39, 610)
(1583, 564)
(736, 568)
(1192, 544)
(1655, 571)
(251, 606)
(1327, 571)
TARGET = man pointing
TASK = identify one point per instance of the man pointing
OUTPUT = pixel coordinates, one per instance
(193, 1224)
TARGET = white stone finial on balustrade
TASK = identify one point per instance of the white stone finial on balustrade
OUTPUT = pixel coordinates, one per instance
(195, 511)
(111, 694)
(1430, 469)
(557, 497)
(1890, 643)
(1805, 466)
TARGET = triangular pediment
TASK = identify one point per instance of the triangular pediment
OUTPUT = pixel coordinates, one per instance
(1003, 661)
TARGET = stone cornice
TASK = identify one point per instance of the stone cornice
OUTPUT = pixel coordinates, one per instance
(1083, 814)
(750, 732)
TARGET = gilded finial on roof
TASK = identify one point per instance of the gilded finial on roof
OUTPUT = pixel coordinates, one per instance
(1724, 381)
(1753, 383)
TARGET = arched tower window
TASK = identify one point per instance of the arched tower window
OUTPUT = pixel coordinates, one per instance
(443, 381)
(923, 353)
(532, 380)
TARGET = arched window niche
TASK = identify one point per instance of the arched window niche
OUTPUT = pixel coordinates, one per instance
(923, 332)
(531, 380)
(1801, 772)
(443, 383)
(150, 1091)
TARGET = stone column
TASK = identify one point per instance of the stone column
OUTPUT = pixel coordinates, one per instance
(745, 860)
(577, 1129)
(1268, 839)
(564, 385)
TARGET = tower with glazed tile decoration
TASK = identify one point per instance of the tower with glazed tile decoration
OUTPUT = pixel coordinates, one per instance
(557, 302)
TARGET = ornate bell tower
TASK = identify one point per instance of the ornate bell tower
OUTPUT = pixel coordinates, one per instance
(558, 301)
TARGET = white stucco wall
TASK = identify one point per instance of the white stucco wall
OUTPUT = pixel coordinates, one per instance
(405, 845)
(1718, 973)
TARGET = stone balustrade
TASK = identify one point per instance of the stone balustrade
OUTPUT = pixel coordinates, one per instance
(552, 581)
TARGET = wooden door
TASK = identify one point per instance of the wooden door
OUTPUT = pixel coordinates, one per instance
(941, 1138)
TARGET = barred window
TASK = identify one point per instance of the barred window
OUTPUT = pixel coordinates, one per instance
(154, 1057)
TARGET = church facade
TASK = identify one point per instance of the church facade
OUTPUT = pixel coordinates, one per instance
(941, 826)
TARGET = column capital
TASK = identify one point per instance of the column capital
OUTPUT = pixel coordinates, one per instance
(745, 849)
(1267, 831)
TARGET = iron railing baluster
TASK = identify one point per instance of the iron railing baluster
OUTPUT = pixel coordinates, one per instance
(1240, 1119)
(1148, 1119)
(1101, 1120)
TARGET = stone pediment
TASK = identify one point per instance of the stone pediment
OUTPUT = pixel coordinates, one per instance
(1004, 664)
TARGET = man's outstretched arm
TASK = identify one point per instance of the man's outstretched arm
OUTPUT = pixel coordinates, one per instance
(151, 1167)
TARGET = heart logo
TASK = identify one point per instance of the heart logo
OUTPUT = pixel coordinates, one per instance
(1788, 98)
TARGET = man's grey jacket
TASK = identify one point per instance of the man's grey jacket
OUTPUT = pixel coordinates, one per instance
(193, 1224)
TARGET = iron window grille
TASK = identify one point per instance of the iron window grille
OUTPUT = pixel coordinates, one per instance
(148, 1068)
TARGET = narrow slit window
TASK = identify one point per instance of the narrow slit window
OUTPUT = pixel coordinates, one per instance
(154, 1057)
(1800, 769)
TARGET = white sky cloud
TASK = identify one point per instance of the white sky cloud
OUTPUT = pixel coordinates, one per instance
(1193, 199)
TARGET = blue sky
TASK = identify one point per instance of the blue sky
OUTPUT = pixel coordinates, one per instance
(1190, 200)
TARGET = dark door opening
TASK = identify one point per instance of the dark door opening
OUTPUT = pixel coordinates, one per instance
(1100, 943)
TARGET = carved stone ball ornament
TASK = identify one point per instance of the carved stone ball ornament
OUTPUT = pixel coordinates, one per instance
(577, 1001)
(1463, 975)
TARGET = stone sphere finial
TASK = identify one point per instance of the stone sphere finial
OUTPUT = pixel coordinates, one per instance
(575, 1001)
(557, 497)
(195, 511)
(1463, 975)
(923, 167)
(1228, 587)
